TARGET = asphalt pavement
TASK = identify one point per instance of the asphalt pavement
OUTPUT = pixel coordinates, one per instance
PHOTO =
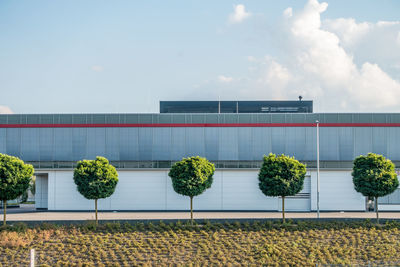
(28, 213)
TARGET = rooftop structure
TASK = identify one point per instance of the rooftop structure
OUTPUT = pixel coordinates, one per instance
(236, 106)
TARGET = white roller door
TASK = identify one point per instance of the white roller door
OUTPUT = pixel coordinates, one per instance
(301, 201)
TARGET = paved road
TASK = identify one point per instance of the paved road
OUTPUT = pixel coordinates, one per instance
(28, 214)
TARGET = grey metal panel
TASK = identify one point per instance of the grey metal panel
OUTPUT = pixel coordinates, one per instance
(79, 143)
(211, 143)
(346, 143)
(161, 143)
(165, 118)
(363, 140)
(295, 142)
(79, 118)
(245, 144)
(145, 143)
(46, 144)
(261, 142)
(96, 145)
(310, 150)
(3, 140)
(207, 118)
(198, 118)
(393, 143)
(63, 144)
(178, 136)
(228, 143)
(31, 119)
(112, 144)
(30, 144)
(329, 149)
(195, 145)
(278, 140)
(3, 119)
(112, 118)
(128, 144)
(379, 140)
(13, 140)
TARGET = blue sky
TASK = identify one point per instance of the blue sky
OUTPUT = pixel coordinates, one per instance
(125, 56)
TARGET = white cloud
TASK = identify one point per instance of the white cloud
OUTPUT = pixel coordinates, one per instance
(288, 12)
(387, 23)
(225, 79)
(347, 29)
(328, 61)
(398, 38)
(239, 14)
(97, 68)
(5, 110)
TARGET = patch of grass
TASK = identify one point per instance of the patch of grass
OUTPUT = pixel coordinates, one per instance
(238, 243)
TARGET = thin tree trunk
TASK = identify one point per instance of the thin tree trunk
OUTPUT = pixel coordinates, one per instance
(191, 210)
(4, 212)
(376, 210)
(283, 209)
(95, 204)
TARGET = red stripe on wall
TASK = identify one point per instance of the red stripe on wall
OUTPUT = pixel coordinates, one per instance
(107, 125)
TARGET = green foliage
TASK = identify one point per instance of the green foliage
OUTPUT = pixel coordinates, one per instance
(15, 177)
(95, 179)
(374, 175)
(281, 176)
(192, 176)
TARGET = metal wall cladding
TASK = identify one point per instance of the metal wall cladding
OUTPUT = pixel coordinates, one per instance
(215, 143)
(200, 118)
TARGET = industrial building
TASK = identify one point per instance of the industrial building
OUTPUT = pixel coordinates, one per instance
(144, 146)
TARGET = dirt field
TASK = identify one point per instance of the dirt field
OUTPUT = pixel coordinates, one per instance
(258, 243)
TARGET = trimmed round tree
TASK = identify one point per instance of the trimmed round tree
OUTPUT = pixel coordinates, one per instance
(374, 176)
(15, 177)
(191, 177)
(281, 176)
(95, 179)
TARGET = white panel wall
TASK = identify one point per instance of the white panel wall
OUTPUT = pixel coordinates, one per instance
(241, 192)
(211, 199)
(387, 207)
(336, 192)
(231, 190)
(41, 194)
(140, 190)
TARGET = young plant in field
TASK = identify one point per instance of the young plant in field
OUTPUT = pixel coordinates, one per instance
(281, 176)
(374, 176)
(15, 177)
(191, 177)
(95, 179)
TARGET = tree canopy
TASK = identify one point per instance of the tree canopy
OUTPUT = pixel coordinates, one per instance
(15, 177)
(281, 176)
(374, 175)
(95, 179)
(192, 176)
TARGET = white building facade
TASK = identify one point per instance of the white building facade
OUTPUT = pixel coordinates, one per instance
(144, 146)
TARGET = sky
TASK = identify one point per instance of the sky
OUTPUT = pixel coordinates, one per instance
(125, 56)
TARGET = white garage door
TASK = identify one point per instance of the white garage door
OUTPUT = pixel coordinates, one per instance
(301, 201)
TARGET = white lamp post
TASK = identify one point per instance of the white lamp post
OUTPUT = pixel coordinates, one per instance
(317, 169)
